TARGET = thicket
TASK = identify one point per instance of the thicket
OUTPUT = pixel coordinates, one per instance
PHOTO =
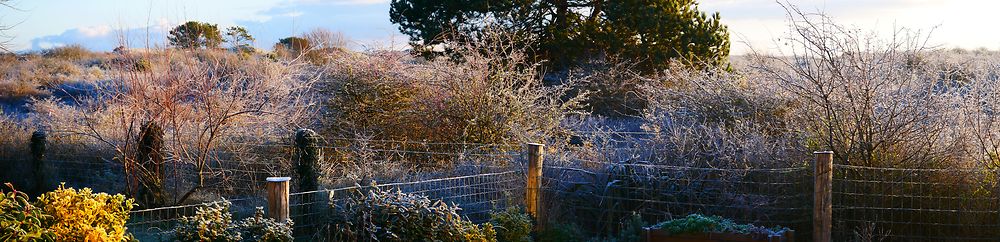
(492, 97)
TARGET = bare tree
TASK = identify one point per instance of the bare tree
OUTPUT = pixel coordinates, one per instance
(5, 44)
(200, 106)
(855, 96)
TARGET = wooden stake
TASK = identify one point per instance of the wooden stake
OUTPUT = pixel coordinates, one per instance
(533, 198)
(823, 197)
(277, 198)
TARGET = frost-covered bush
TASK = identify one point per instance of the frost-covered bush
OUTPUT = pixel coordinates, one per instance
(391, 215)
(214, 222)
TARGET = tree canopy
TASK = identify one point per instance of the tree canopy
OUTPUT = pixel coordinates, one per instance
(566, 31)
(239, 38)
(194, 35)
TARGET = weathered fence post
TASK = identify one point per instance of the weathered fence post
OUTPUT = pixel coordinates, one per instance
(38, 140)
(277, 198)
(823, 196)
(151, 190)
(309, 156)
(533, 196)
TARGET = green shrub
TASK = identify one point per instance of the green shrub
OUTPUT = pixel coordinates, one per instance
(512, 225)
(20, 220)
(387, 215)
(142, 65)
(260, 228)
(561, 232)
(214, 222)
(209, 223)
(697, 223)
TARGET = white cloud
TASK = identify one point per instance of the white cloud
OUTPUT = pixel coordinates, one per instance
(95, 31)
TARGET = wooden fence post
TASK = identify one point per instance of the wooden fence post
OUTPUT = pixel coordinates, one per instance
(823, 196)
(38, 142)
(277, 198)
(533, 196)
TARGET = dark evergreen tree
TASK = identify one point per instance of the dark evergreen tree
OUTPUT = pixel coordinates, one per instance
(194, 35)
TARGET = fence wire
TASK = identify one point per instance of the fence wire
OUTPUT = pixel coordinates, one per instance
(898, 204)
(477, 195)
(601, 196)
(888, 204)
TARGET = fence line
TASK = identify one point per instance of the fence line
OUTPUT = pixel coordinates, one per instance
(899, 204)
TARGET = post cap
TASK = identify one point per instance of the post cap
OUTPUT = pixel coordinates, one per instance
(279, 179)
(536, 144)
(823, 152)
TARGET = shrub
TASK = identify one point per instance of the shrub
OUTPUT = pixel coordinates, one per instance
(84, 215)
(74, 52)
(488, 98)
(214, 222)
(209, 223)
(561, 232)
(512, 225)
(697, 223)
(259, 228)
(20, 220)
(387, 215)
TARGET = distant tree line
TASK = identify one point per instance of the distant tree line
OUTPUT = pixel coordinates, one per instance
(198, 35)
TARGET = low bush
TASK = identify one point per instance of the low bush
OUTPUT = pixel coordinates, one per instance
(697, 223)
(388, 215)
(65, 214)
(259, 228)
(209, 223)
(85, 215)
(214, 222)
(20, 220)
(562, 232)
(73, 52)
(512, 225)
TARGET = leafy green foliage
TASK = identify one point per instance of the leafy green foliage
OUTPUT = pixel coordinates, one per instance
(697, 223)
(260, 228)
(387, 215)
(239, 39)
(512, 225)
(215, 223)
(655, 32)
(20, 220)
(194, 35)
(562, 232)
(210, 223)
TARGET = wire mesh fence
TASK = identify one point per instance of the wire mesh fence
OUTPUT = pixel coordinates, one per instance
(892, 204)
(600, 196)
(477, 195)
(899, 204)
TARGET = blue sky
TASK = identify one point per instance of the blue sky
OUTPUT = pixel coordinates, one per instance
(98, 24)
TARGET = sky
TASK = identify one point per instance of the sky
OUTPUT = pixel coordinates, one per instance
(756, 24)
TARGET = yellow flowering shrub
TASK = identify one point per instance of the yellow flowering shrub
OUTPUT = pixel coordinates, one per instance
(82, 215)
